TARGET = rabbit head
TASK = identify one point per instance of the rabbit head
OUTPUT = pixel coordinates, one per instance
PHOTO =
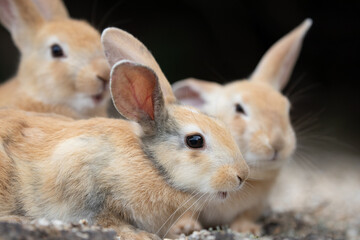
(62, 61)
(193, 152)
(254, 109)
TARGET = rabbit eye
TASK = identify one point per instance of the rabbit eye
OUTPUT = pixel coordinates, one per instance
(239, 108)
(56, 51)
(195, 141)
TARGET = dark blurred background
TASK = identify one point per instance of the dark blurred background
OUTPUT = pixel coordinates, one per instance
(224, 40)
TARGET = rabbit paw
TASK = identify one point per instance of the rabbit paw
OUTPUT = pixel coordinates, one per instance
(185, 225)
(246, 226)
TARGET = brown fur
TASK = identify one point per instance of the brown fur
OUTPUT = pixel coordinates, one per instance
(74, 85)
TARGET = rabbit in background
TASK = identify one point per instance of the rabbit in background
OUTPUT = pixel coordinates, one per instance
(62, 67)
(258, 117)
(137, 177)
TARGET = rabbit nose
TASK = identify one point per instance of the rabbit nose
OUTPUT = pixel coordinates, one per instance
(240, 181)
(275, 155)
(104, 80)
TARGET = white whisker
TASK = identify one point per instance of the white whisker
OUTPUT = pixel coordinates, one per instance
(183, 204)
(184, 213)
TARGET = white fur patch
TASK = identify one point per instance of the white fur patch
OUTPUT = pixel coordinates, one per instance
(81, 102)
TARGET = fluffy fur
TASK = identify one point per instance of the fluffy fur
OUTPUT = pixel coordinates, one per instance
(75, 84)
(258, 117)
(134, 176)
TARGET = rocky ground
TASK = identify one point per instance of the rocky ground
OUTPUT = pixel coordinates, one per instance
(277, 226)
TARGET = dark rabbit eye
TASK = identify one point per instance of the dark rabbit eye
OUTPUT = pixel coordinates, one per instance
(239, 108)
(195, 141)
(56, 51)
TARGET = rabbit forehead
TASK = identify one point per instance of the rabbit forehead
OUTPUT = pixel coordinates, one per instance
(77, 34)
(257, 96)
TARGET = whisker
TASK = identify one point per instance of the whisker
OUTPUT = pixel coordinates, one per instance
(183, 214)
(206, 203)
(290, 90)
(294, 97)
(93, 12)
(183, 204)
(108, 14)
(218, 76)
(120, 22)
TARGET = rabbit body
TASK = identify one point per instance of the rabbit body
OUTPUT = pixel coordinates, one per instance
(62, 67)
(258, 117)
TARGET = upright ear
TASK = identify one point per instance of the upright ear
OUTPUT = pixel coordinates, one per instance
(52, 9)
(137, 95)
(119, 45)
(194, 92)
(276, 65)
(22, 20)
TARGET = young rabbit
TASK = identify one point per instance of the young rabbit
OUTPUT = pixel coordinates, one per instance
(62, 69)
(133, 176)
(258, 117)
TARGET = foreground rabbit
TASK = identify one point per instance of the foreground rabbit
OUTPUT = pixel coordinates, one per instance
(113, 172)
(62, 68)
(258, 117)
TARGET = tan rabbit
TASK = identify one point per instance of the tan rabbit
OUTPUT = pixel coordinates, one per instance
(133, 177)
(62, 68)
(258, 117)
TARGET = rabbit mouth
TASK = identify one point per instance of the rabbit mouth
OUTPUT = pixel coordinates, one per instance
(222, 195)
(98, 97)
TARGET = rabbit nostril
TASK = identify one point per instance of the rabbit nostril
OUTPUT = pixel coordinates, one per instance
(104, 80)
(240, 180)
(275, 155)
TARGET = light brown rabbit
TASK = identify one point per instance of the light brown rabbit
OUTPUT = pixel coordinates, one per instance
(62, 68)
(134, 176)
(258, 117)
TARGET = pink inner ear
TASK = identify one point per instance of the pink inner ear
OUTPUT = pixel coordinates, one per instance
(133, 89)
(142, 91)
(188, 96)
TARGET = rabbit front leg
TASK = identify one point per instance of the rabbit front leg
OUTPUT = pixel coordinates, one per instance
(187, 224)
(123, 229)
(245, 222)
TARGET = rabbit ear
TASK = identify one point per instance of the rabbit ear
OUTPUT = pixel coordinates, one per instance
(119, 45)
(136, 94)
(194, 92)
(22, 20)
(51, 9)
(276, 65)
